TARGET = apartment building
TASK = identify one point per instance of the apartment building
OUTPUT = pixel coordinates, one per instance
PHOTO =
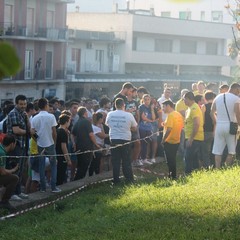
(37, 29)
(156, 50)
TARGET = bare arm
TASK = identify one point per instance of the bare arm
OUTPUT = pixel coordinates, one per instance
(237, 112)
(93, 139)
(18, 131)
(165, 136)
(144, 118)
(65, 152)
(196, 124)
(54, 134)
(153, 112)
(102, 135)
(4, 171)
(213, 113)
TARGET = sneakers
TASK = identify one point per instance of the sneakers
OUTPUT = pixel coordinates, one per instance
(15, 198)
(23, 196)
(153, 160)
(137, 163)
(56, 190)
(145, 161)
(7, 205)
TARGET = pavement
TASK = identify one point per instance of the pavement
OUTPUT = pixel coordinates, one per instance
(43, 197)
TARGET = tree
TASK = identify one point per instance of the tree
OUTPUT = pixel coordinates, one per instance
(9, 62)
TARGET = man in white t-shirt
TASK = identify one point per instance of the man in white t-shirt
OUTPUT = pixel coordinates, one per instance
(44, 124)
(220, 117)
(121, 124)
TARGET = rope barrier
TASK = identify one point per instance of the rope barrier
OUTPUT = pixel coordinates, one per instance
(42, 205)
(88, 151)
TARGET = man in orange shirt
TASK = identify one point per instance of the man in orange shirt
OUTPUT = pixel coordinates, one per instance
(171, 135)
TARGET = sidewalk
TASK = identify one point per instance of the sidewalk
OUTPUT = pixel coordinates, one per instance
(39, 197)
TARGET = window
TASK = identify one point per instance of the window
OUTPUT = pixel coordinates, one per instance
(134, 44)
(48, 65)
(163, 45)
(30, 21)
(185, 15)
(217, 16)
(165, 14)
(188, 46)
(8, 16)
(211, 48)
(202, 16)
(99, 57)
(50, 19)
(28, 73)
(76, 56)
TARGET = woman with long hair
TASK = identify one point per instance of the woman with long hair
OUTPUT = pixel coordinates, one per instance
(100, 135)
(147, 117)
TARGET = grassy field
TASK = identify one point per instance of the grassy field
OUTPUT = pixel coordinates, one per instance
(205, 205)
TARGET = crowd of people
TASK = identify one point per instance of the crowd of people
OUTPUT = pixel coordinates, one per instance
(49, 142)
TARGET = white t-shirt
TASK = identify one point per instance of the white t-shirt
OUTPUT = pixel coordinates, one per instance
(120, 123)
(96, 130)
(43, 123)
(222, 116)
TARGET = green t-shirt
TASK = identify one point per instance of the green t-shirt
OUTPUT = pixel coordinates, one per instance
(3, 155)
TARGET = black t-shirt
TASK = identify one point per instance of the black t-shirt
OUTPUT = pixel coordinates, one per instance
(119, 95)
(132, 104)
(81, 131)
(62, 137)
(208, 124)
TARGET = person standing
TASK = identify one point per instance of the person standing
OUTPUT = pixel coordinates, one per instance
(194, 134)
(83, 140)
(126, 88)
(121, 123)
(63, 158)
(132, 107)
(7, 178)
(18, 125)
(100, 135)
(173, 126)
(44, 125)
(225, 106)
(147, 116)
(208, 128)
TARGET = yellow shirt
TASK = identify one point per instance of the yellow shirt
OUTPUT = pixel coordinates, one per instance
(174, 121)
(33, 147)
(180, 106)
(193, 112)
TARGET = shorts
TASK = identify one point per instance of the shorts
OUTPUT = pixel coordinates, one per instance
(222, 138)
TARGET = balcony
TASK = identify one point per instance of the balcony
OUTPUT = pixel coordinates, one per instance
(97, 36)
(9, 30)
(41, 75)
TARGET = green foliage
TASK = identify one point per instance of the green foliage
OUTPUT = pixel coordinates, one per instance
(9, 61)
(202, 206)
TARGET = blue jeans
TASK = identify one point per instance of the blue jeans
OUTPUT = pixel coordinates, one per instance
(53, 164)
(191, 156)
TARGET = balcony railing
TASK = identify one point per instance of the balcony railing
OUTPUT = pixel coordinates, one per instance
(42, 74)
(98, 36)
(11, 30)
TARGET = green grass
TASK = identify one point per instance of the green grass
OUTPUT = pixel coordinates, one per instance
(205, 205)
